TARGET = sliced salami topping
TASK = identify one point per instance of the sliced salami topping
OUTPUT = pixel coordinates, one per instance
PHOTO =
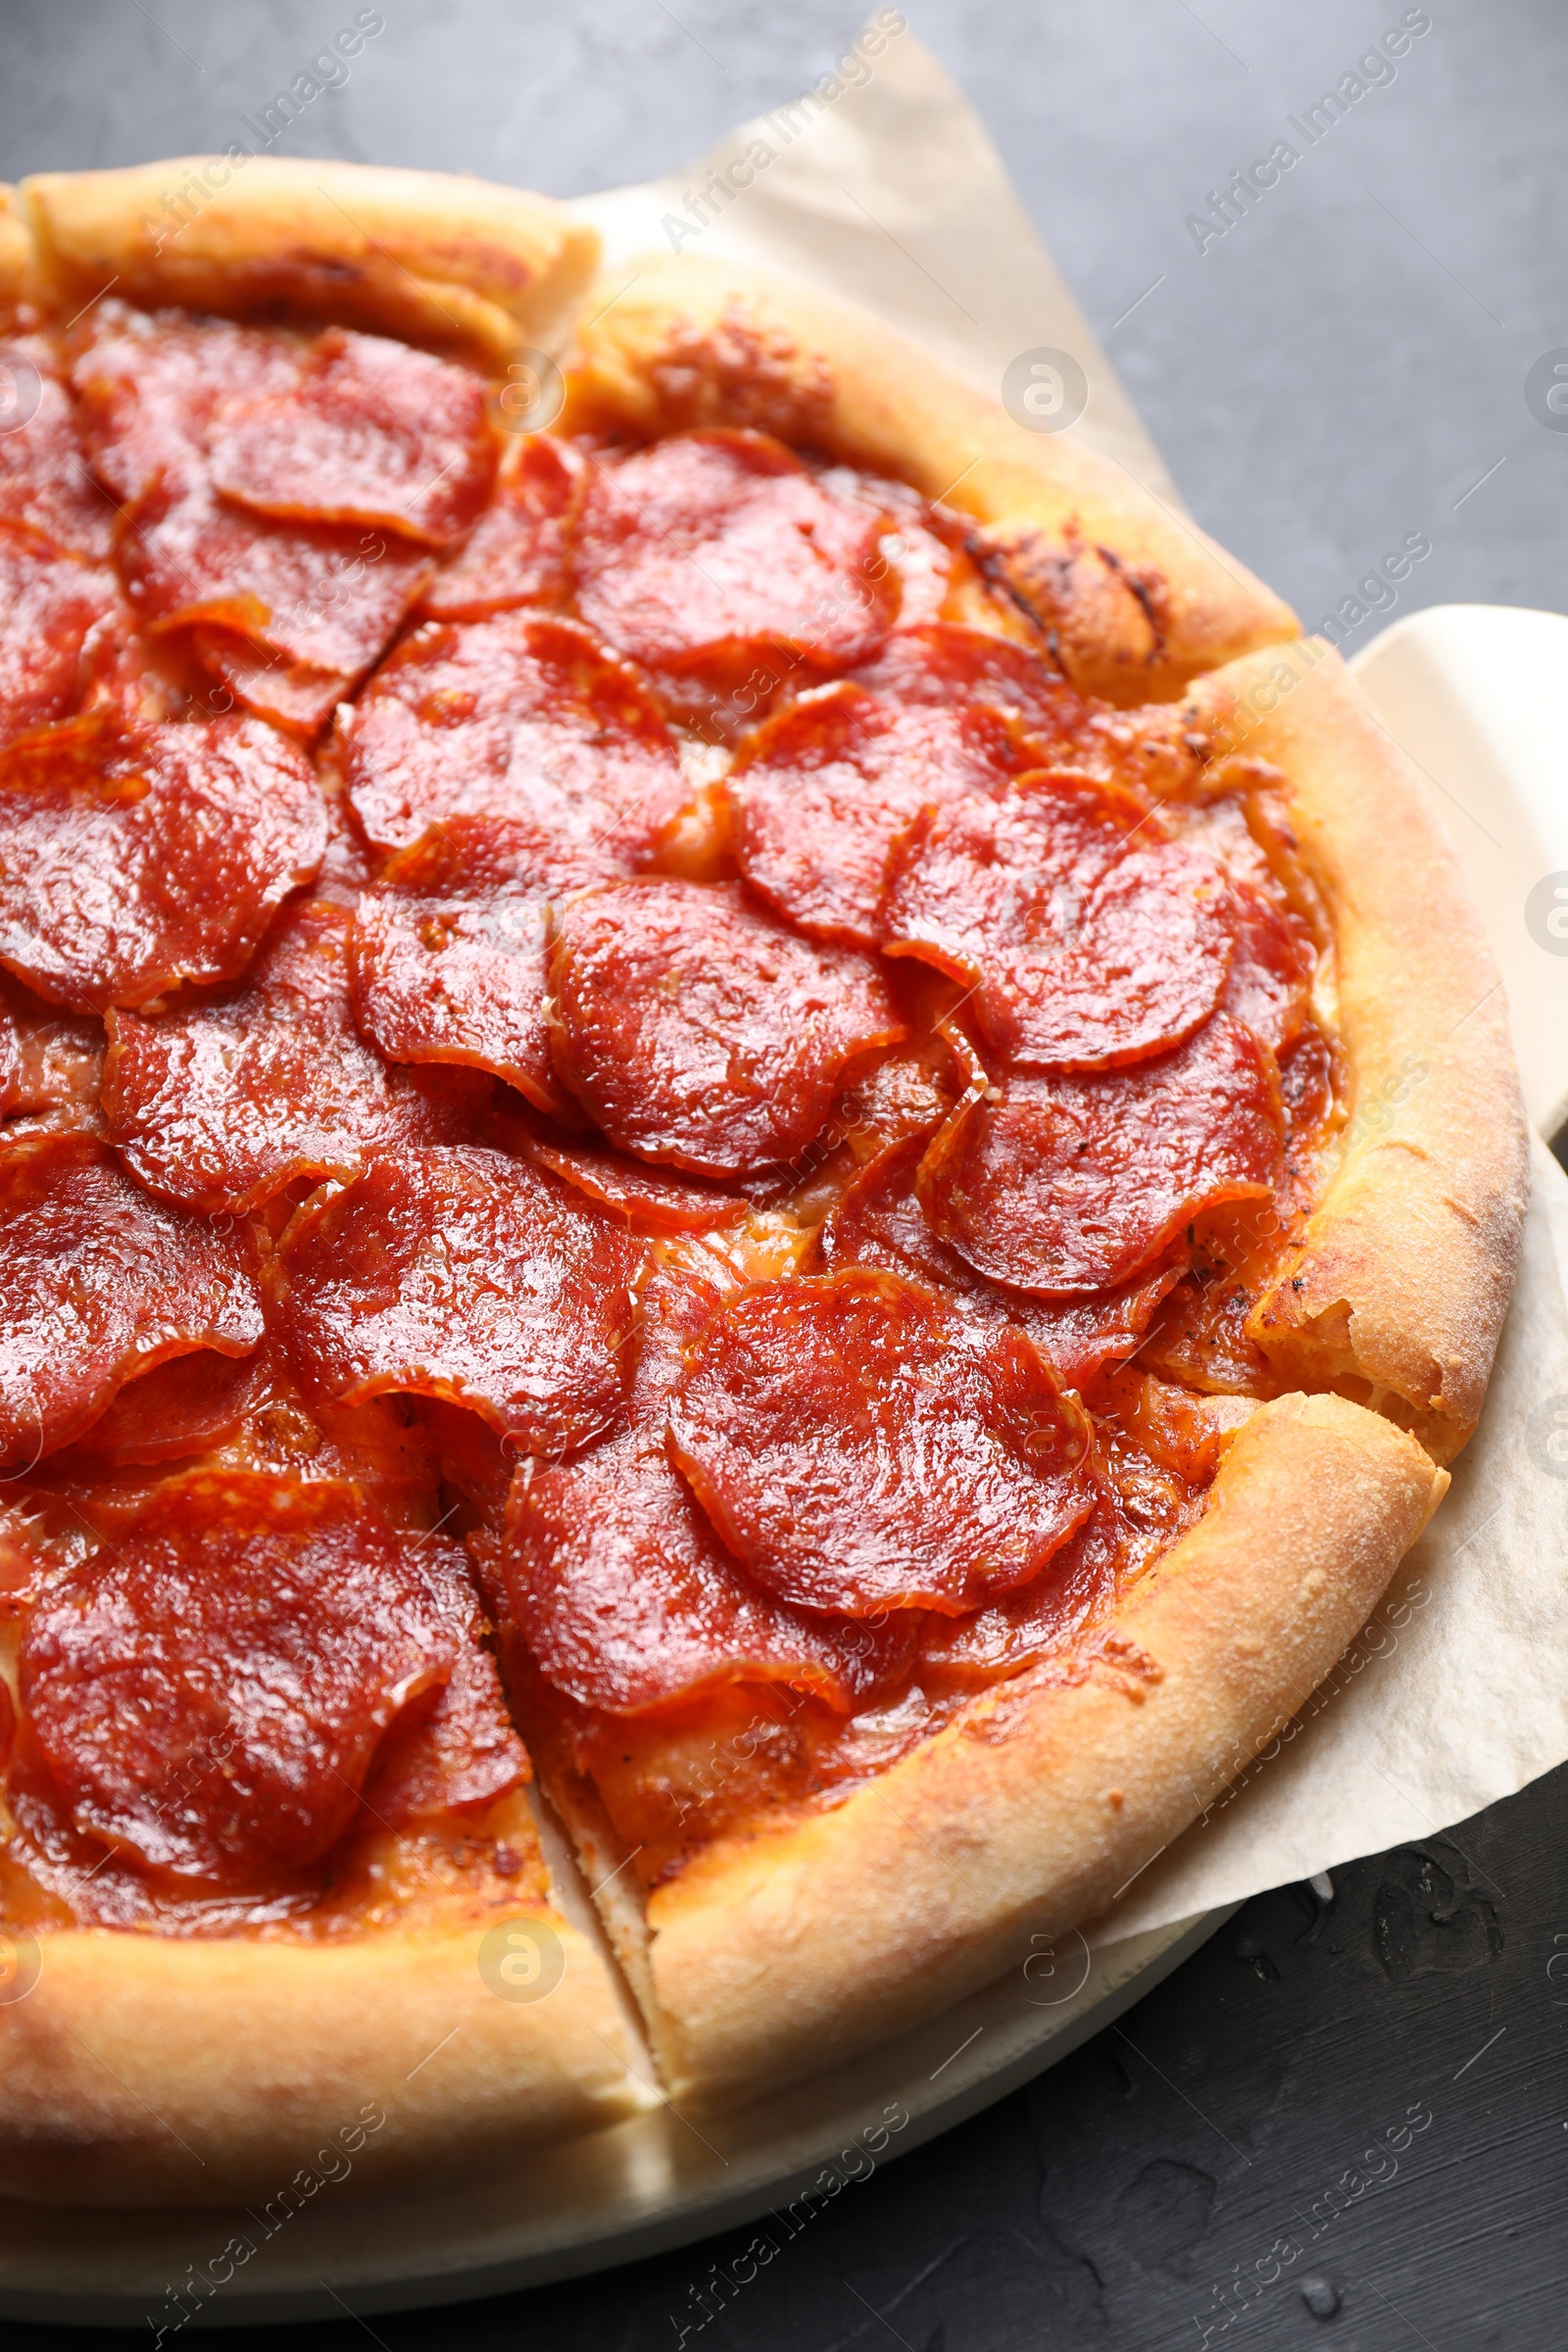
(465, 1275)
(210, 1689)
(714, 549)
(623, 1592)
(1087, 942)
(879, 1222)
(50, 1061)
(1076, 1182)
(98, 1284)
(456, 1746)
(908, 1093)
(819, 794)
(458, 980)
(945, 661)
(1272, 970)
(187, 1405)
(134, 859)
(694, 1031)
(316, 609)
(48, 603)
(861, 1443)
(224, 1102)
(45, 486)
(647, 1198)
(516, 717)
(372, 432)
(518, 551)
(459, 854)
(288, 614)
(1041, 1620)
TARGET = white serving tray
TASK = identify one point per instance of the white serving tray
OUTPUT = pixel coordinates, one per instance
(640, 2187)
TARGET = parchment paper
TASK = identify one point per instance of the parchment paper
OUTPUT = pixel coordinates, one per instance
(891, 195)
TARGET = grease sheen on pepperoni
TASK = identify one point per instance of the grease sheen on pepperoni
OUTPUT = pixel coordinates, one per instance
(636, 1194)
(861, 1443)
(694, 1031)
(45, 487)
(623, 1592)
(288, 614)
(456, 1747)
(517, 718)
(210, 1689)
(946, 662)
(878, 1221)
(224, 1102)
(1271, 973)
(458, 980)
(134, 859)
(49, 1060)
(517, 553)
(821, 793)
(48, 603)
(712, 550)
(185, 1406)
(1077, 1182)
(462, 1275)
(371, 432)
(1087, 941)
(97, 1283)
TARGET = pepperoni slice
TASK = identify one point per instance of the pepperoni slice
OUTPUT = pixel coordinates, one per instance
(48, 603)
(45, 486)
(134, 859)
(908, 1093)
(187, 1405)
(518, 551)
(642, 1198)
(879, 1222)
(821, 793)
(694, 1031)
(861, 1443)
(1036, 1623)
(98, 1283)
(210, 1691)
(458, 980)
(224, 1102)
(1076, 1182)
(710, 551)
(464, 1274)
(49, 1060)
(946, 662)
(290, 614)
(1087, 943)
(372, 432)
(459, 854)
(516, 717)
(1271, 973)
(456, 1747)
(623, 1593)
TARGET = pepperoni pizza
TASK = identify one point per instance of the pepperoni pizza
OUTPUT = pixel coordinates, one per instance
(680, 1113)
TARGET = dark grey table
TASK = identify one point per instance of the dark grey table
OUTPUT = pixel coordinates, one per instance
(1343, 2123)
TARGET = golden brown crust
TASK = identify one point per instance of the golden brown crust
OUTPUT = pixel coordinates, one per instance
(774, 1956)
(1399, 1292)
(16, 252)
(424, 255)
(1135, 598)
(145, 2070)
